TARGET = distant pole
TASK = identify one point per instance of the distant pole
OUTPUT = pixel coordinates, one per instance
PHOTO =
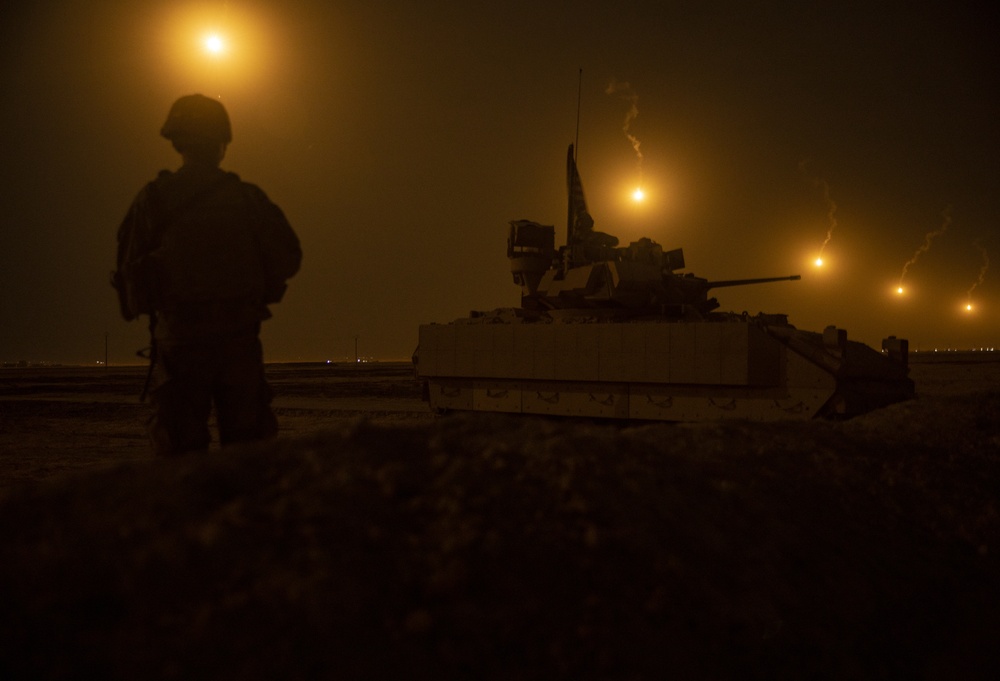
(105, 350)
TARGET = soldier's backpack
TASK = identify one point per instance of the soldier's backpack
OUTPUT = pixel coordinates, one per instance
(137, 278)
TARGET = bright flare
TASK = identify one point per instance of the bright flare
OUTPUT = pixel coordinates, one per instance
(900, 290)
(969, 307)
(819, 262)
(638, 195)
(215, 44)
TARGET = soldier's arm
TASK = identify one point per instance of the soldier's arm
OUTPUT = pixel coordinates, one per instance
(132, 242)
(281, 244)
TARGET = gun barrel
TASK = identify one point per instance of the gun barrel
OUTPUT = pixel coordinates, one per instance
(742, 282)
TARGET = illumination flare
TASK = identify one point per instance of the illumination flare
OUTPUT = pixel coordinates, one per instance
(946, 223)
(214, 44)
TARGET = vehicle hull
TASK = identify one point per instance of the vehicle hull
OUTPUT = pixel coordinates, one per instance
(736, 368)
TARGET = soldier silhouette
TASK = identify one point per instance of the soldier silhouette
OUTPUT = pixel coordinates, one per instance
(203, 254)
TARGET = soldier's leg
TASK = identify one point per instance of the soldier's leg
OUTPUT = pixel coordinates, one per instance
(182, 402)
(242, 396)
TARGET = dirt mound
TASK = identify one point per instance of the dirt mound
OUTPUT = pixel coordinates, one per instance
(496, 547)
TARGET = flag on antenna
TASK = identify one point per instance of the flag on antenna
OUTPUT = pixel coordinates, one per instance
(579, 220)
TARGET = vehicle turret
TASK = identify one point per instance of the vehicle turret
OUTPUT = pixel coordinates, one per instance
(640, 278)
(592, 271)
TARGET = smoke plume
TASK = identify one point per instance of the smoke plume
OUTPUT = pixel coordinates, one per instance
(625, 91)
(982, 270)
(831, 207)
(946, 223)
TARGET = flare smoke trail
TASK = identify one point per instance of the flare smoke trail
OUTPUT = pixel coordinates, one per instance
(946, 217)
(831, 207)
(633, 99)
(982, 270)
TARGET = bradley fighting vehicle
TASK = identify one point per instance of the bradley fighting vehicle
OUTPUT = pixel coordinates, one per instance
(617, 332)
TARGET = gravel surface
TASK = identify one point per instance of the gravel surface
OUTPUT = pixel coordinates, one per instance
(500, 547)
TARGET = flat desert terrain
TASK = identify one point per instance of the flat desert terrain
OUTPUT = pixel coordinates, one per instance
(375, 540)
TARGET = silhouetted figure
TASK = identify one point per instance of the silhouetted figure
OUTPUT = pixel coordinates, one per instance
(203, 253)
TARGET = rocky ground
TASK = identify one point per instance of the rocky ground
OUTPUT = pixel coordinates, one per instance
(373, 540)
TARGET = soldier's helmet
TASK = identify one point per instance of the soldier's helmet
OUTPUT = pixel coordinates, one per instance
(197, 117)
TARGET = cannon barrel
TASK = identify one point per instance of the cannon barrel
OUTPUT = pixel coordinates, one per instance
(741, 282)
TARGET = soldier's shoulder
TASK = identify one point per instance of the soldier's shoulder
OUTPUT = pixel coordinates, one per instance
(163, 177)
(153, 187)
(253, 191)
(249, 186)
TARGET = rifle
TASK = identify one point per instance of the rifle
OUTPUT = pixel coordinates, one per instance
(150, 354)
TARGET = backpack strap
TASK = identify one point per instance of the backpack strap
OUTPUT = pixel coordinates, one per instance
(162, 219)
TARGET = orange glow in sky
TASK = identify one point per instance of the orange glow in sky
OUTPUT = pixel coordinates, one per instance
(218, 50)
(333, 102)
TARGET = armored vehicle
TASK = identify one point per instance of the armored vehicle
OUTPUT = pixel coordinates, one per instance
(618, 332)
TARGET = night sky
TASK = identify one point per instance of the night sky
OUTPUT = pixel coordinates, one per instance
(400, 138)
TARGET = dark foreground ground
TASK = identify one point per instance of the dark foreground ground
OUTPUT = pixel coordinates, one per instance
(375, 541)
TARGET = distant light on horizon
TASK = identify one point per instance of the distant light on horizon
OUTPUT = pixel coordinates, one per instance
(638, 195)
(819, 262)
(899, 290)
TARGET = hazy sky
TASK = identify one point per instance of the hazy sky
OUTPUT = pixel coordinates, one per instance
(400, 138)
